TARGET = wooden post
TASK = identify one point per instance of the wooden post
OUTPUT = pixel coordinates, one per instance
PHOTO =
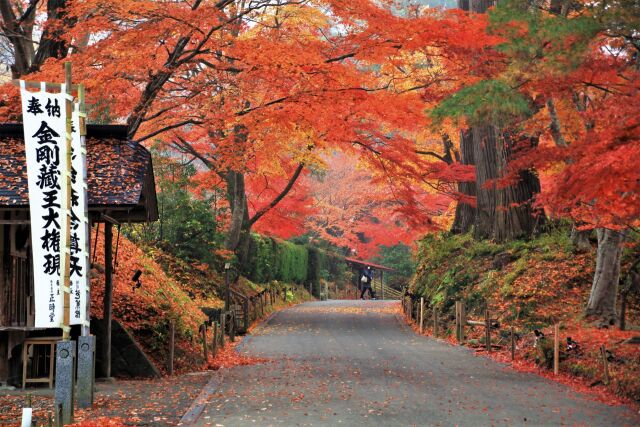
(457, 310)
(172, 345)
(59, 420)
(463, 320)
(487, 330)
(232, 327)
(605, 364)
(556, 348)
(261, 306)
(214, 347)
(205, 347)
(421, 313)
(107, 301)
(382, 283)
(623, 312)
(245, 308)
(435, 321)
(513, 344)
(223, 328)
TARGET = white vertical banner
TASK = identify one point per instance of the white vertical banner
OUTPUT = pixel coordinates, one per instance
(79, 256)
(45, 129)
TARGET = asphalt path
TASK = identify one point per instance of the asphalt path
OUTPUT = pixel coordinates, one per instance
(354, 363)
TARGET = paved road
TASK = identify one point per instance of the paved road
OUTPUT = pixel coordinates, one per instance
(352, 363)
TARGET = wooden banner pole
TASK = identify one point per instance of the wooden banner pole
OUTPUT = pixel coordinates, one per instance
(66, 203)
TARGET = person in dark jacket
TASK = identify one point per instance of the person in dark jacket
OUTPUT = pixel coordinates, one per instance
(366, 279)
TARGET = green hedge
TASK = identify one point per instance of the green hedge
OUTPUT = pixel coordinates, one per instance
(274, 259)
(291, 262)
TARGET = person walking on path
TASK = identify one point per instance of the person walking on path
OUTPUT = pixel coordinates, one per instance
(366, 277)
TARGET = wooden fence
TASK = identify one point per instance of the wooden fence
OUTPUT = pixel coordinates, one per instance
(415, 309)
(243, 312)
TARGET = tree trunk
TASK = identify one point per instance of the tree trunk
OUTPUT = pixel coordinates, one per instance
(465, 213)
(480, 6)
(604, 290)
(237, 198)
(580, 240)
(504, 213)
(239, 233)
(515, 215)
(485, 155)
(20, 34)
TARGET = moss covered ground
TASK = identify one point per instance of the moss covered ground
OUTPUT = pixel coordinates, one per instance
(529, 285)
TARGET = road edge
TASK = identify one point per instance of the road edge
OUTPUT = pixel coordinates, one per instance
(199, 403)
(193, 413)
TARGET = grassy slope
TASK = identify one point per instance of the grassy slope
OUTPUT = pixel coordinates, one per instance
(527, 285)
(146, 311)
(172, 289)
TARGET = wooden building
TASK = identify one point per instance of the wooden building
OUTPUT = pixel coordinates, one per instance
(121, 189)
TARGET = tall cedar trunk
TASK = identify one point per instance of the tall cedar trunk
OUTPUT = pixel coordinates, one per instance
(604, 290)
(465, 213)
(504, 213)
(514, 215)
(485, 155)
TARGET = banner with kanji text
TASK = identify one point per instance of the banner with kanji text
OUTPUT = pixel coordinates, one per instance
(79, 249)
(45, 129)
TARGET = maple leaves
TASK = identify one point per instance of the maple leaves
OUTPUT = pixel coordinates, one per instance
(265, 88)
(584, 91)
(261, 88)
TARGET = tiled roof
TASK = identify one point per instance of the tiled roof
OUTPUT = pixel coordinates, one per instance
(117, 167)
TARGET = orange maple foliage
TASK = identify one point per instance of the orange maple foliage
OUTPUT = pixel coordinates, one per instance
(262, 87)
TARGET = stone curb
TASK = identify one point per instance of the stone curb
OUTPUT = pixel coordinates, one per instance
(192, 415)
(197, 406)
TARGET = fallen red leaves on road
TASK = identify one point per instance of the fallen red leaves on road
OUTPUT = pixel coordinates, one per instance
(228, 357)
(101, 422)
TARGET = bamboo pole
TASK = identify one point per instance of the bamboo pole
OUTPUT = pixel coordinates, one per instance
(556, 348)
(49, 86)
(66, 221)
